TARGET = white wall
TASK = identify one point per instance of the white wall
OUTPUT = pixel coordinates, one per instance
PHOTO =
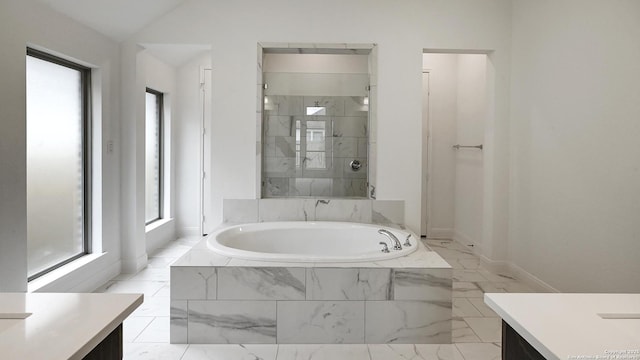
(29, 23)
(443, 104)
(401, 30)
(187, 140)
(575, 167)
(470, 130)
(161, 77)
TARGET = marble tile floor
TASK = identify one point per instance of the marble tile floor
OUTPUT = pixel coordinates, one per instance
(476, 328)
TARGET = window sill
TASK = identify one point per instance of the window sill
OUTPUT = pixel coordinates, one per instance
(59, 273)
(156, 224)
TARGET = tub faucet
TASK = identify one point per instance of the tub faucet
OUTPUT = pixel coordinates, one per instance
(393, 238)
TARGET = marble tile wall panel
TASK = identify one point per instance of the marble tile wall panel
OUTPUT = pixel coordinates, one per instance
(334, 104)
(279, 125)
(320, 322)
(350, 126)
(422, 284)
(273, 283)
(231, 322)
(285, 146)
(343, 210)
(408, 322)
(355, 106)
(387, 212)
(279, 167)
(276, 186)
(240, 210)
(178, 322)
(286, 210)
(193, 282)
(345, 147)
(349, 173)
(349, 284)
(310, 186)
(363, 147)
(349, 188)
(269, 148)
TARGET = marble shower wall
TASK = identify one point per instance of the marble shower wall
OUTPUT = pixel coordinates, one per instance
(385, 212)
(298, 165)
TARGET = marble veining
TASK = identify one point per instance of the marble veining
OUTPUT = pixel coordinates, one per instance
(349, 284)
(422, 284)
(313, 322)
(178, 317)
(193, 283)
(323, 352)
(225, 322)
(343, 210)
(414, 352)
(408, 322)
(261, 283)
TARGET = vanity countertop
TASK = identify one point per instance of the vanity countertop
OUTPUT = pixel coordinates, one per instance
(571, 326)
(60, 326)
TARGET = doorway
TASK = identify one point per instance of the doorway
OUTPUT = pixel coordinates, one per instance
(454, 125)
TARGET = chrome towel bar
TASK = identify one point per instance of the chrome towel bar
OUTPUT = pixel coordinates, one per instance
(458, 146)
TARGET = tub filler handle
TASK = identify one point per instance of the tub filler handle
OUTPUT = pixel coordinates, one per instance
(393, 238)
(406, 242)
(385, 248)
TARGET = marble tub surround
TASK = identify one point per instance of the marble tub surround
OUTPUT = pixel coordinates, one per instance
(146, 335)
(401, 300)
(383, 212)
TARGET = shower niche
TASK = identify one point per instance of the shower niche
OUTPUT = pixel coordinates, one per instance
(315, 121)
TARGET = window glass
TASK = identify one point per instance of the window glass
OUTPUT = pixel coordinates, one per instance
(153, 156)
(56, 174)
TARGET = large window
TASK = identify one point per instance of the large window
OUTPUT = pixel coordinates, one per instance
(58, 162)
(153, 156)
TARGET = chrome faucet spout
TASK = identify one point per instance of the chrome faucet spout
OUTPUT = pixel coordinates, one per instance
(393, 238)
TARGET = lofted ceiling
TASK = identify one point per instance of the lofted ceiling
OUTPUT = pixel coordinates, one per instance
(117, 19)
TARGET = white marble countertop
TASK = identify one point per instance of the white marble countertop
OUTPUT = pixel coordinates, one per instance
(568, 326)
(61, 326)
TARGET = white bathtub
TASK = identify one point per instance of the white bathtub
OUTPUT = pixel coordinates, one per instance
(300, 241)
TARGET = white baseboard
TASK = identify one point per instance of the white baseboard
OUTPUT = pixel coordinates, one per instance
(517, 272)
(188, 231)
(467, 241)
(440, 233)
(132, 266)
(513, 270)
(530, 279)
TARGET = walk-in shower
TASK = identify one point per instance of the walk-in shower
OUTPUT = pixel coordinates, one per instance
(315, 123)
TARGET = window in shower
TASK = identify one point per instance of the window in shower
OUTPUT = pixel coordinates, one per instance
(58, 162)
(153, 155)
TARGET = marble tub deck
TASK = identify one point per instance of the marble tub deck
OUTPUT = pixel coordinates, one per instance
(220, 300)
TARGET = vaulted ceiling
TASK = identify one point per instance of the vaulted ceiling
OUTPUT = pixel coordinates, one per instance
(117, 19)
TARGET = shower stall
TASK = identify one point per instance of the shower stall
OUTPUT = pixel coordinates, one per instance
(315, 125)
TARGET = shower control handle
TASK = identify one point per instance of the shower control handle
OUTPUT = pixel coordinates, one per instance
(406, 242)
(355, 165)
